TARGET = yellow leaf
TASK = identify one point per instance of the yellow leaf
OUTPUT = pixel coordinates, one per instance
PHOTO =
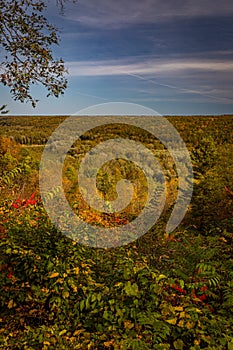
(62, 332)
(182, 314)
(172, 321)
(178, 308)
(128, 325)
(181, 323)
(196, 181)
(32, 222)
(75, 289)
(32, 311)
(76, 270)
(189, 325)
(65, 295)
(46, 342)
(198, 311)
(53, 274)
(72, 339)
(109, 343)
(11, 304)
(118, 284)
(79, 331)
(161, 276)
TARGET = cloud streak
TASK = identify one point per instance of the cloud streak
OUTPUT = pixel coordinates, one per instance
(147, 67)
(151, 72)
(109, 13)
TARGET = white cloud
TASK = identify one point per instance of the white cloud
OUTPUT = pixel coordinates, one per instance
(184, 76)
(147, 67)
(117, 14)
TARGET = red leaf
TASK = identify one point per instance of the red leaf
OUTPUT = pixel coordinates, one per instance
(15, 205)
(33, 195)
(10, 273)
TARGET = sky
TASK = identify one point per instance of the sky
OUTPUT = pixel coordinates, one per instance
(175, 57)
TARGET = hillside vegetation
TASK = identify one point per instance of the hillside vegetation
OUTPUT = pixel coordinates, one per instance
(162, 291)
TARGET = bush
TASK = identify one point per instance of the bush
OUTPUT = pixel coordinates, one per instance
(57, 294)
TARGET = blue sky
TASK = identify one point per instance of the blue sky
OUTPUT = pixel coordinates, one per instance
(173, 56)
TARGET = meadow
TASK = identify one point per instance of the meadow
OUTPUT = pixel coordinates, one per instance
(161, 291)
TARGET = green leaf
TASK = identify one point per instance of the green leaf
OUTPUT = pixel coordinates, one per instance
(178, 344)
(82, 305)
(131, 289)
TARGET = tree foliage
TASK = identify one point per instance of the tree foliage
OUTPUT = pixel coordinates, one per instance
(163, 291)
(3, 109)
(26, 39)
